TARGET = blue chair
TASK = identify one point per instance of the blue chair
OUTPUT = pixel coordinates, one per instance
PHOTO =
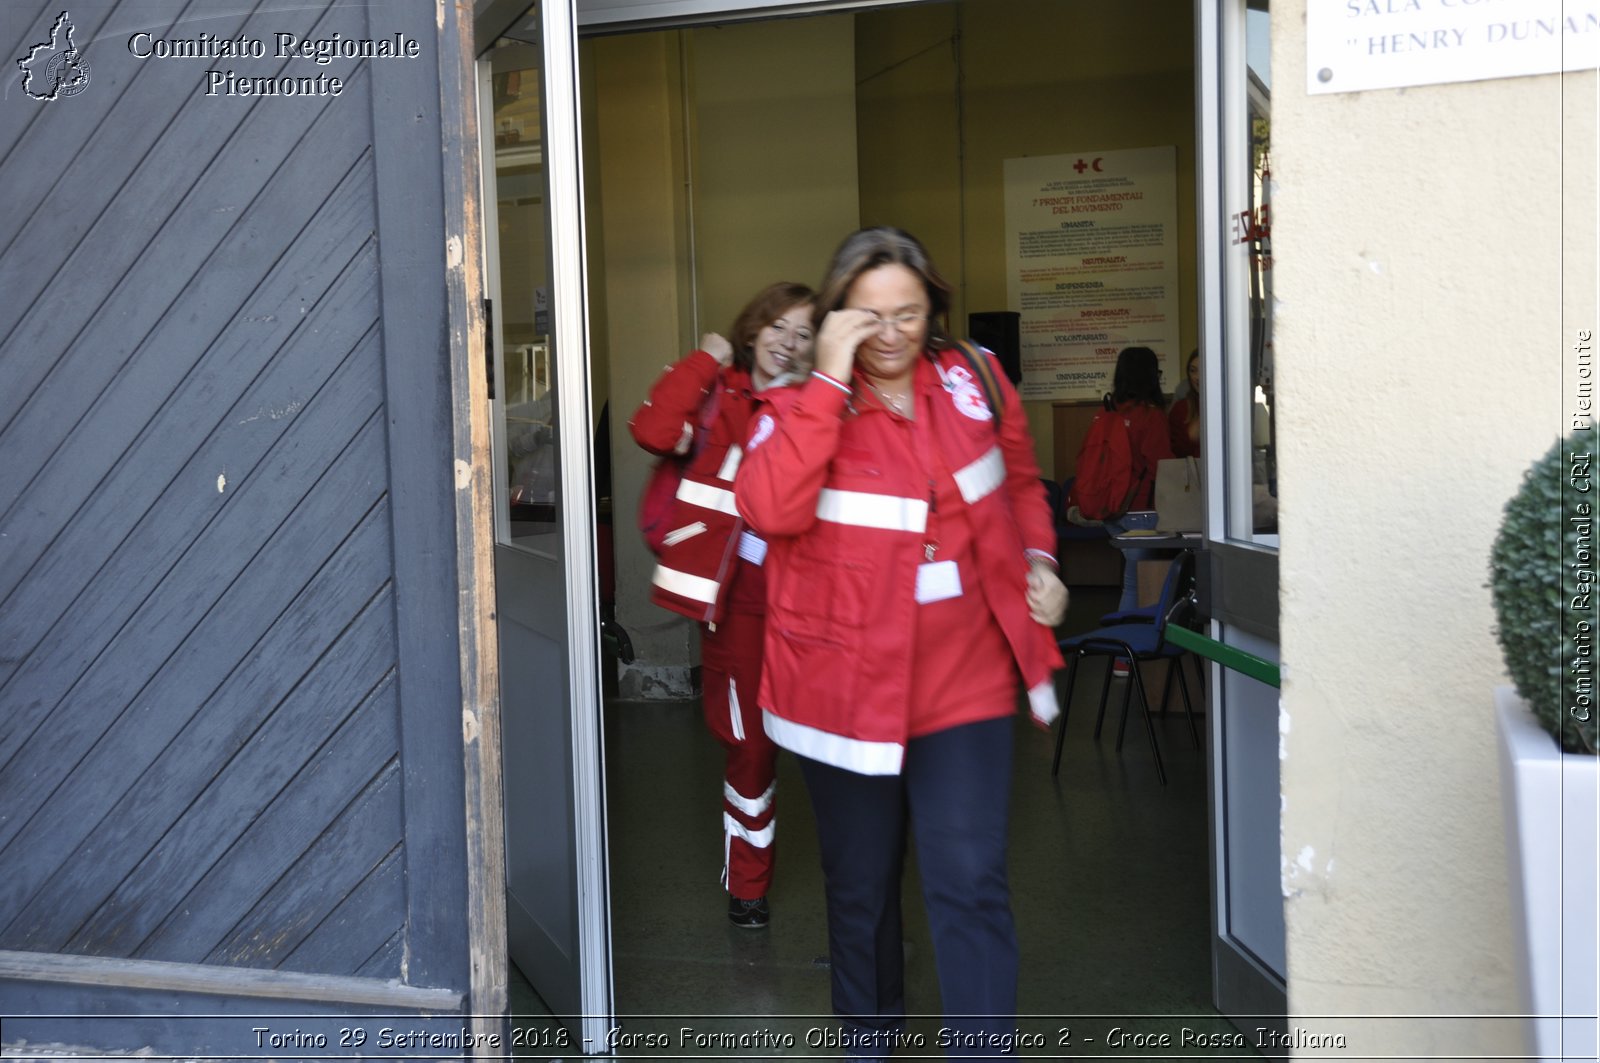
(1149, 614)
(1143, 614)
(1136, 642)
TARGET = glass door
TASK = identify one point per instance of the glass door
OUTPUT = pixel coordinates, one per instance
(1234, 92)
(545, 567)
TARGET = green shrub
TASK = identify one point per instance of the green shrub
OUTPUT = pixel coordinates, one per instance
(1542, 574)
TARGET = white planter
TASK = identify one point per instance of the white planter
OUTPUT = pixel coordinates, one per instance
(1552, 806)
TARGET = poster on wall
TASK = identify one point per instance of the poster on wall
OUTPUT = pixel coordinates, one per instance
(1092, 265)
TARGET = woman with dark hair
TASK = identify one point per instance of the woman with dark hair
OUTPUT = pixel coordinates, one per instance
(1183, 422)
(910, 581)
(710, 566)
(1137, 378)
(1136, 395)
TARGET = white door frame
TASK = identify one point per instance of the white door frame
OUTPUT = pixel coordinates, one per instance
(1242, 565)
(569, 305)
(562, 161)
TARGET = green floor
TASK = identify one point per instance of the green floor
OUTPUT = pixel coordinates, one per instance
(1109, 875)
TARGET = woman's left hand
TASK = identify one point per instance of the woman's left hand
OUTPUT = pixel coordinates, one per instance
(1047, 595)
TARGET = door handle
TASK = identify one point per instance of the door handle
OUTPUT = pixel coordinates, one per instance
(488, 344)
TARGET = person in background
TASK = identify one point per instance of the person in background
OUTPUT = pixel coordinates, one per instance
(1136, 394)
(1183, 420)
(910, 581)
(710, 566)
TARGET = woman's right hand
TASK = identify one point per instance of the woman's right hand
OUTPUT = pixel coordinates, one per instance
(841, 333)
(717, 347)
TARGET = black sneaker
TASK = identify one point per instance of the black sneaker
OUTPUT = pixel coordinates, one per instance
(748, 915)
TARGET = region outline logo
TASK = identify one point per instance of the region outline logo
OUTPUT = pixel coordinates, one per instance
(56, 64)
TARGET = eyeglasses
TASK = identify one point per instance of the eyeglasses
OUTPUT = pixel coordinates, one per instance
(905, 322)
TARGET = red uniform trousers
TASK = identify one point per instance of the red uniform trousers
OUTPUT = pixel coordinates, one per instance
(730, 680)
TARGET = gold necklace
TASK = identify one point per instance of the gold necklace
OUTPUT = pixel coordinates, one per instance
(893, 402)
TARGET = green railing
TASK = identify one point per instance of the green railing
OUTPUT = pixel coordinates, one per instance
(1228, 656)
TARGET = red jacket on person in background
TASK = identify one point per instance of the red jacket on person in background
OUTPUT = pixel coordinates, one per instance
(693, 573)
(1149, 438)
(1178, 430)
(846, 534)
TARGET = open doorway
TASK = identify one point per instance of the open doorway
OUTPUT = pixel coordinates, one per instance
(717, 158)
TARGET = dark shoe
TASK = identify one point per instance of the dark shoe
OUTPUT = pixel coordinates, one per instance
(748, 915)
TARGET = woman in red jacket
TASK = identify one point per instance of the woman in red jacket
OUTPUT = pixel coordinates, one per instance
(910, 581)
(1183, 421)
(1136, 394)
(711, 567)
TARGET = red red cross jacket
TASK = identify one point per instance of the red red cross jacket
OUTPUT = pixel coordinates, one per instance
(703, 546)
(846, 533)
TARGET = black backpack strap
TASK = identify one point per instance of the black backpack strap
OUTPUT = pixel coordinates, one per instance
(983, 368)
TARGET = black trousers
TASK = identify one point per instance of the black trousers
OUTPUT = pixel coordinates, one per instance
(954, 793)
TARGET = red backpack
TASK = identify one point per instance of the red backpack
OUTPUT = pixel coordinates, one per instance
(1105, 482)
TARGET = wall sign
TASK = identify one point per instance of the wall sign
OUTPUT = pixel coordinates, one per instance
(1352, 45)
(1092, 265)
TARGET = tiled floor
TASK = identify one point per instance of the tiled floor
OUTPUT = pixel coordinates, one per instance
(1108, 873)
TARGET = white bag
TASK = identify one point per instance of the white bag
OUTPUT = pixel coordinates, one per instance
(1180, 496)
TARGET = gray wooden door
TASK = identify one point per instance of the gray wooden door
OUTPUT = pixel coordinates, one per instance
(233, 772)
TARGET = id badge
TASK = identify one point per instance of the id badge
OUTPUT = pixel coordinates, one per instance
(753, 548)
(938, 580)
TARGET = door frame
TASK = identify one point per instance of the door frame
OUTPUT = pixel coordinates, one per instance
(1241, 574)
(1233, 966)
(564, 213)
(474, 496)
(569, 307)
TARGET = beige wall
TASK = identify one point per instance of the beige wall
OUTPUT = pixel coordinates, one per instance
(948, 92)
(1418, 238)
(774, 137)
(634, 166)
(909, 130)
(720, 160)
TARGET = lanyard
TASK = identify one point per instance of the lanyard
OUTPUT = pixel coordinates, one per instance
(933, 468)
